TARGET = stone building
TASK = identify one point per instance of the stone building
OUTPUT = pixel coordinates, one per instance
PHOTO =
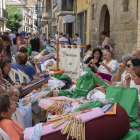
(119, 18)
(3, 16)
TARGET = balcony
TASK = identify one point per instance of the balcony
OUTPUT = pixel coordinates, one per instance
(5, 14)
(46, 15)
(27, 15)
(65, 7)
(27, 25)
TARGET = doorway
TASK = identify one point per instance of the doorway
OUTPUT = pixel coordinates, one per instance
(104, 23)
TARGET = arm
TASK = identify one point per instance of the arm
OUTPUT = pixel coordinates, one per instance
(37, 71)
(128, 79)
(41, 47)
(106, 42)
(75, 39)
(118, 76)
(103, 64)
(29, 41)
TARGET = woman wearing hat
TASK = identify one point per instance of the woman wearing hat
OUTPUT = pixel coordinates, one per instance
(20, 40)
(36, 43)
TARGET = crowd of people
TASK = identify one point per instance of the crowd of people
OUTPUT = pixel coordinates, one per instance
(100, 60)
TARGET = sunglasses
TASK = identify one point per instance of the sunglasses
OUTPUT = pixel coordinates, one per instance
(128, 65)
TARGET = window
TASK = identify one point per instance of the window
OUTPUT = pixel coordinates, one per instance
(67, 5)
(125, 5)
(93, 12)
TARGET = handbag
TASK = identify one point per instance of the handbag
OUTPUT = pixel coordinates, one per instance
(29, 50)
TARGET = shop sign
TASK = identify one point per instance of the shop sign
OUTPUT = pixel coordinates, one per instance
(69, 18)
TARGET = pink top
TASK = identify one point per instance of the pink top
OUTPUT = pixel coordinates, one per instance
(22, 41)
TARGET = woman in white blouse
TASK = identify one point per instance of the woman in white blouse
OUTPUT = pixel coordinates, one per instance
(108, 66)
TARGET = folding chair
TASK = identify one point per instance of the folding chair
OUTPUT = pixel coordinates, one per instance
(12, 74)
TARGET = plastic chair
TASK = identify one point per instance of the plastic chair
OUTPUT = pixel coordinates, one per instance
(17, 116)
(22, 76)
(4, 135)
(12, 74)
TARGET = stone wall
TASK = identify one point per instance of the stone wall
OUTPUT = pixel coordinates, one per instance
(123, 25)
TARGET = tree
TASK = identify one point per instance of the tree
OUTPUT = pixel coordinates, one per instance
(14, 18)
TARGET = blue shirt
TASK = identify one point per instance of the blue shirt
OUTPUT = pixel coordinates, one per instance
(27, 69)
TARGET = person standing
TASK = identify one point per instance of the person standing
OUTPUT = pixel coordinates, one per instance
(56, 36)
(12, 35)
(20, 40)
(63, 40)
(77, 39)
(36, 43)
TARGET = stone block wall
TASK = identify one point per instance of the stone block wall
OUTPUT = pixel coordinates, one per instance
(123, 25)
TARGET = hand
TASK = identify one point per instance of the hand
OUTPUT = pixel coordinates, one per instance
(128, 78)
(91, 61)
(14, 98)
(16, 92)
(102, 63)
(120, 67)
(113, 79)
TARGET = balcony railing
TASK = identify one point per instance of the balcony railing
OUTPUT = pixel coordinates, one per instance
(5, 14)
(28, 25)
(27, 15)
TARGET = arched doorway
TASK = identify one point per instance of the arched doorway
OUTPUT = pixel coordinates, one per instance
(104, 24)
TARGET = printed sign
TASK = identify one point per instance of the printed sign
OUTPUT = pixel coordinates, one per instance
(70, 61)
(69, 18)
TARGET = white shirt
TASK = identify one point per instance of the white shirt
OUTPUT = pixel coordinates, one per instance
(78, 42)
(123, 77)
(56, 36)
(113, 65)
(12, 36)
(63, 40)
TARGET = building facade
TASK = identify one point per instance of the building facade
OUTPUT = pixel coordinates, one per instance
(3, 16)
(119, 18)
(28, 13)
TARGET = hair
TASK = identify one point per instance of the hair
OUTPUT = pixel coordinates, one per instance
(103, 33)
(98, 50)
(61, 34)
(77, 34)
(1, 45)
(5, 38)
(137, 70)
(74, 44)
(23, 50)
(3, 62)
(135, 62)
(127, 57)
(87, 48)
(22, 58)
(107, 47)
(106, 51)
(4, 104)
(17, 34)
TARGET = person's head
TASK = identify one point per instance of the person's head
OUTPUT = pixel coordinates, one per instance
(17, 34)
(48, 41)
(103, 34)
(97, 53)
(136, 54)
(7, 107)
(5, 65)
(136, 75)
(76, 35)
(22, 34)
(22, 58)
(68, 35)
(44, 34)
(131, 64)
(1, 45)
(7, 33)
(64, 35)
(56, 32)
(107, 47)
(88, 47)
(5, 39)
(126, 58)
(35, 34)
(61, 35)
(23, 49)
(106, 55)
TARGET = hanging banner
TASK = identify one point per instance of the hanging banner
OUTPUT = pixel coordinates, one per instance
(70, 61)
(69, 18)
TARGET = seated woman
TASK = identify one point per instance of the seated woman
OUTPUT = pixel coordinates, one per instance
(6, 68)
(95, 59)
(6, 87)
(119, 77)
(88, 52)
(108, 66)
(131, 64)
(27, 69)
(7, 124)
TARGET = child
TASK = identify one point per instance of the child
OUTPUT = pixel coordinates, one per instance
(7, 124)
(88, 50)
